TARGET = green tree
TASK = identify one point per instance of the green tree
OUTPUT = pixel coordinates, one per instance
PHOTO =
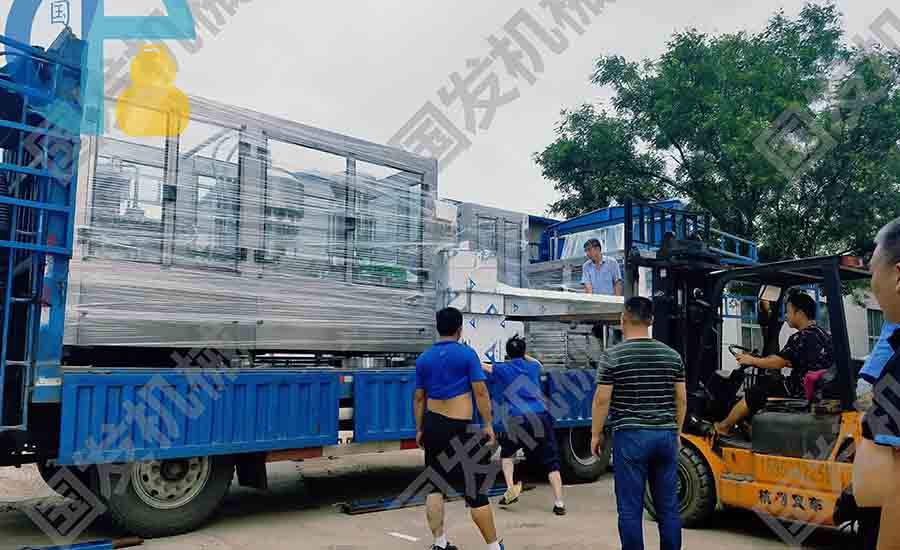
(713, 121)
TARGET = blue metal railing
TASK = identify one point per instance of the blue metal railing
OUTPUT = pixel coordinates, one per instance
(734, 249)
(38, 180)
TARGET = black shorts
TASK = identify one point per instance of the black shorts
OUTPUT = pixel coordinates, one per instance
(534, 434)
(456, 458)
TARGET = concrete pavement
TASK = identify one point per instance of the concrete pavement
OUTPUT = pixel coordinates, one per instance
(300, 512)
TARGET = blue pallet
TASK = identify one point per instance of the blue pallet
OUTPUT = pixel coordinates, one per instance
(383, 405)
(124, 416)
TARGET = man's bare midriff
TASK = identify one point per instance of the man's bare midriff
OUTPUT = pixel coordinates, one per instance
(458, 408)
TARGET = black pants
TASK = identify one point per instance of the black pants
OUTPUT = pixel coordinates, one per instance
(456, 458)
(533, 433)
(764, 388)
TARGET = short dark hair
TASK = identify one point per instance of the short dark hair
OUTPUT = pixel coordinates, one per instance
(889, 241)
(640, 310)
(803, 302)
(449, 320)
(591, 243)
(515, 347)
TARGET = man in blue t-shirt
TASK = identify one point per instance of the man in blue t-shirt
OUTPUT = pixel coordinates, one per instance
(528, 424)
(448, 375)
(876, 465)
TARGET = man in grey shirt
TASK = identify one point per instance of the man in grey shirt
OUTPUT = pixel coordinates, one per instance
(600, 275)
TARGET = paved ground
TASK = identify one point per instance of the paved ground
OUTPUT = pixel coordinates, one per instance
(300, 513)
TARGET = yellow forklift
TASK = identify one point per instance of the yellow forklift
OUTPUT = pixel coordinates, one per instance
(793, 462)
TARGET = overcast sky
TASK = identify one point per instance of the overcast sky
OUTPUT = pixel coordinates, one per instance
(364, 68)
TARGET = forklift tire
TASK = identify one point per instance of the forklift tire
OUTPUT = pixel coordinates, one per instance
(696, 490)
(163, 498)
(577, 464)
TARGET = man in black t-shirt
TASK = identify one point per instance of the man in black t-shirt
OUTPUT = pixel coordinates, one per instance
(807, 350)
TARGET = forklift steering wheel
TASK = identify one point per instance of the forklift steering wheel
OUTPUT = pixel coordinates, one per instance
(734, 350)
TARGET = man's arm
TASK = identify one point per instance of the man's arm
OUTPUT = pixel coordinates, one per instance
(483, 402)
(680, 407)
(419, 409)
(618, 283)
(588, 289)
(599, 412)
(770, 362)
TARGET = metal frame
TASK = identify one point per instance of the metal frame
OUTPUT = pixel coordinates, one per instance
(36, 253)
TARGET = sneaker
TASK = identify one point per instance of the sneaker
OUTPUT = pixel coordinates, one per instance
(511, 496)
(449, 547)
(559, 510)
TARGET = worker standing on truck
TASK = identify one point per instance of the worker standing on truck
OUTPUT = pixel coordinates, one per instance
(600, 275)
(641, 387)
(447, 376)
(529, 425)
(876, 467)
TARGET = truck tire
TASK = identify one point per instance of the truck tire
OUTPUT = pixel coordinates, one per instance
(48, 472)
(696, 490)
(163, 498)
(577, 463)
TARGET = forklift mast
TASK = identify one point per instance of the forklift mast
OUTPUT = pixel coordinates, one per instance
(691, 275)
(675, 245)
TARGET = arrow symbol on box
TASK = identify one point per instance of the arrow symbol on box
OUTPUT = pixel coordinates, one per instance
(471, 283)
(515, 307)
(491, 310)
(472, 322)
(490, 352)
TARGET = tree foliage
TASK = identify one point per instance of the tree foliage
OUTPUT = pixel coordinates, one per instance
(696, 122)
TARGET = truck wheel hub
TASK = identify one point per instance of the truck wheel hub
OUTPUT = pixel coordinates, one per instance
(580, 445)
(168, 484)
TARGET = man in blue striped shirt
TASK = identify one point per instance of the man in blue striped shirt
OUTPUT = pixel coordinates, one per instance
(641, 387)
(600, 275)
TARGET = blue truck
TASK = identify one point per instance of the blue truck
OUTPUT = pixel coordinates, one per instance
(159, 444)
(153, 420)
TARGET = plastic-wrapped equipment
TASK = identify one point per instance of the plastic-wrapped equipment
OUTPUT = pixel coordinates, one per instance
(252, 232)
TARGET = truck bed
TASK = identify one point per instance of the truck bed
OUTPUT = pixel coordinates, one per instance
(126, 415)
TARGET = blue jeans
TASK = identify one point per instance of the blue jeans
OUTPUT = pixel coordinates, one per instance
(639, 457)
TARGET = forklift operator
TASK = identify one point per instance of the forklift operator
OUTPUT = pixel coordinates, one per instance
(808, 350)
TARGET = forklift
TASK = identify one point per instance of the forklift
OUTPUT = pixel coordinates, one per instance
(792, 462)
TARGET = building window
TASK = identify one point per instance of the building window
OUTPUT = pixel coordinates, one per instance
(751, 331)
(875, 320)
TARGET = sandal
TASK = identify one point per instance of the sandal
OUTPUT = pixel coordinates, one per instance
(511, 496)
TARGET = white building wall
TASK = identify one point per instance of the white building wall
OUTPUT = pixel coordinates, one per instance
(857, 325)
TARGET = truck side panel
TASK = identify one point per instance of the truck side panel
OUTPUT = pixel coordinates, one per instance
(571, 396)
(121, 416)
(382, 409)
